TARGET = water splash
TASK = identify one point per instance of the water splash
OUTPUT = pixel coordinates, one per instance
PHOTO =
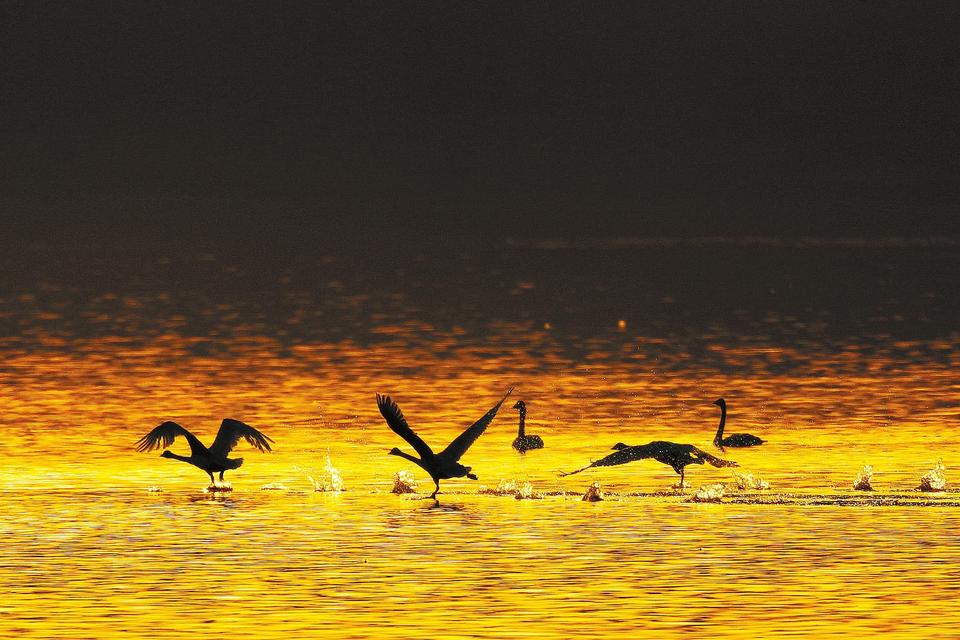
(519, 490)
(226, 487)
(274, 486)
(154, 489)
(329, 480)
(746, 481)
(935, 479)
(862, 483)
(403, 482)
(593, 494)
(708, 493)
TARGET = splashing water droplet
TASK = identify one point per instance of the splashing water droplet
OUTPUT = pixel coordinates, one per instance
(747, 482)
(862, 483)
(593, 494)
(935, 479)
(403, 482)
(329, 480)
(708, 493)
(519, 490)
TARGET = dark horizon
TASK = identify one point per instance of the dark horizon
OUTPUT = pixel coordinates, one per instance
(452, 120)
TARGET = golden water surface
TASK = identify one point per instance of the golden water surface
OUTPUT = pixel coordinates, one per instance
(100, 541)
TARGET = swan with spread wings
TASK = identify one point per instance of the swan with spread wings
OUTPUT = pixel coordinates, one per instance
(671, 454)
(443, 465)
(213, 459)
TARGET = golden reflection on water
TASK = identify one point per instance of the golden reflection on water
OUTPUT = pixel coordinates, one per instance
(90, 552)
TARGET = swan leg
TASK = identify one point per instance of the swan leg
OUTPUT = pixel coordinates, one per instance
(221, 476)
(212, 481)
(682, 484)
(435, 491)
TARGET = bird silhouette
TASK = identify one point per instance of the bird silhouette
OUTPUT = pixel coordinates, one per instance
(672, 454)
(443, 465)
(522, 442)
(737, 439)
(212, 460)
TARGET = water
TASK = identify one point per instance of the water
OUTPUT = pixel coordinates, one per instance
(839, 356)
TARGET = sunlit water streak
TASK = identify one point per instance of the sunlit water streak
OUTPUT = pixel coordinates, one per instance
(831, 381)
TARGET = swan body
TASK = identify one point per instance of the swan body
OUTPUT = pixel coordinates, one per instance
(213, 459)
(523, 442)
(735, 440)
(672, 454)
(443, 465)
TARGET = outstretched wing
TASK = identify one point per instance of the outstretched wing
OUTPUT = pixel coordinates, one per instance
(230, 433)
(395, 420)
(700, 454)
(621, 456)
(163, 436)
(462, 442)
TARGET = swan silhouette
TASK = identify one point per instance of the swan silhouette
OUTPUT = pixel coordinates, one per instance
(443, 465)
(523, 442)
(211, 460)
(671, 454)
(737, 439)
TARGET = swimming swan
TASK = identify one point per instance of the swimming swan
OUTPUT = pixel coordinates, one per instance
(737, 439)
(524, 442)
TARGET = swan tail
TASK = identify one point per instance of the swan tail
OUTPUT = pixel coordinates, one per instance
(725, 463)
(700, 456)
(715, 461)
(235, 463)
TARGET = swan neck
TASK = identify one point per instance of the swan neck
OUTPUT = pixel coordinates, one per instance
(723, 421)
(409, 457)
(523, 419)
(180, 458)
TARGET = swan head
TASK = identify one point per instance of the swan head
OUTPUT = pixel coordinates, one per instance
(166, 454)
(395, 452)
(520, 406)
(720, 402)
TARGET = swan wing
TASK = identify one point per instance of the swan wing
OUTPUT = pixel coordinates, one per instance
(230, 433)
(462, 442)
(627, 454)
(163, 436)
(398, 424)
(621, 456)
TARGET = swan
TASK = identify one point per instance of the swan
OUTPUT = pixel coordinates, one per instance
(524, 443)
(443, 465)
(737, 439)
(210, 460)
(672, 454)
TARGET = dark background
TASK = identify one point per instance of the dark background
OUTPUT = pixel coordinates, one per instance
(421, 121)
